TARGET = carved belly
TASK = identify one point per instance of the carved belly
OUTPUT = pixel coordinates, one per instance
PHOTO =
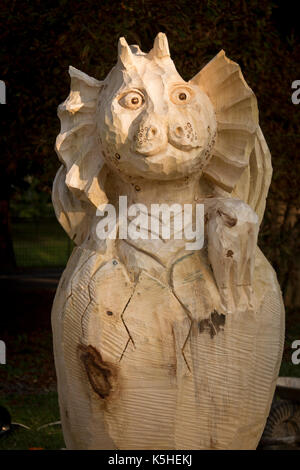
(164, 367)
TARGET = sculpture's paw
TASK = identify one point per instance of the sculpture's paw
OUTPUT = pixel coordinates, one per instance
(232, 230)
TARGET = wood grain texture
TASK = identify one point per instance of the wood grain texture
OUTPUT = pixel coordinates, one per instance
(157, 346)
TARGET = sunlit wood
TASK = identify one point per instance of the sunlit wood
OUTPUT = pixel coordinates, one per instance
(158, 346)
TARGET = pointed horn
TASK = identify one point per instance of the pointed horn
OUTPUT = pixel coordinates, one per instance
(124, 52)
(161, 46)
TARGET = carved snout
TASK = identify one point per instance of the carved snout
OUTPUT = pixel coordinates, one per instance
(149, 138)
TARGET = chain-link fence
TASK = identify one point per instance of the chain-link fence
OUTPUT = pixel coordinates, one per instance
(40, 242)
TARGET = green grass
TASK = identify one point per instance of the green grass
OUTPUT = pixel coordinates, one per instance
(41, 254)
(33, 411)
(40, 243)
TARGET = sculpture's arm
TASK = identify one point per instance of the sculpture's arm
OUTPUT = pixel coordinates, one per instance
(232, 229)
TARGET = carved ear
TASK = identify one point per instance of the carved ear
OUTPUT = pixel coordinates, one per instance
(78, 148)
(237, 119)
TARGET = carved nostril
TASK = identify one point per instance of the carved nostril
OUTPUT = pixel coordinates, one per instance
(151, 132)
(149, 138)
(179, 132)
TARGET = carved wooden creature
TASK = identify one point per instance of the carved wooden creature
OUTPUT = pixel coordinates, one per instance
(158, 346)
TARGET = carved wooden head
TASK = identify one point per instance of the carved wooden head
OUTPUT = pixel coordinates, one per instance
(151, 122)
(145, 120)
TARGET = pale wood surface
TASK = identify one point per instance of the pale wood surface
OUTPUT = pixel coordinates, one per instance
(157, 346)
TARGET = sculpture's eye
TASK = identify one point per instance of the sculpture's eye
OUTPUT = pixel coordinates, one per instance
(181, 95)
(132, 100)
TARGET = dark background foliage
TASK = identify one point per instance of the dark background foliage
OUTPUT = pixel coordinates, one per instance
(39, 39)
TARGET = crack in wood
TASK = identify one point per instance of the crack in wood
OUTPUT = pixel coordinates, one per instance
(70, 295)
(90, 296)
(187, 311)
(122, 318)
